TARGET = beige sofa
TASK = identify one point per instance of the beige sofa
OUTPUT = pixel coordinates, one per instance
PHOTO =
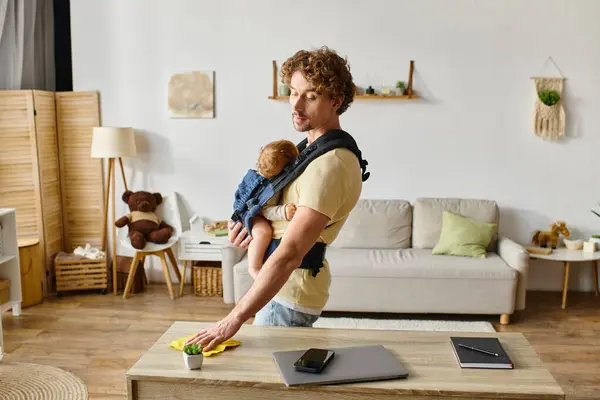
(382, 262)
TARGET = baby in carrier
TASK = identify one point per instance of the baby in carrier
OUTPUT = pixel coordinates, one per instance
(272, 160)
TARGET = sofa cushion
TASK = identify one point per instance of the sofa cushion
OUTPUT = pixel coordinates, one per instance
(415, 263)
(463, 236)
(382, 224)
(427, 218)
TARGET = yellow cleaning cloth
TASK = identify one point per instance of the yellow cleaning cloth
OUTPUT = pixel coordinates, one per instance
(178, 344)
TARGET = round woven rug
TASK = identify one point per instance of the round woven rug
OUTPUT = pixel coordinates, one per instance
(20, 381)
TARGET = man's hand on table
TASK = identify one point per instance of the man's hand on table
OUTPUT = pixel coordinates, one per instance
(216, 334)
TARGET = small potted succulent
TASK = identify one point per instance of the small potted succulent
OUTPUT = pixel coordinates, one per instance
(192, 355)
(401, 86)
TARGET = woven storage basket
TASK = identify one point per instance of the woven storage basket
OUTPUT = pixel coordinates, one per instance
(79, 273)
(207, 281)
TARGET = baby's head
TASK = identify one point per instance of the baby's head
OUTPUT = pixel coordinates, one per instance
(275, 156)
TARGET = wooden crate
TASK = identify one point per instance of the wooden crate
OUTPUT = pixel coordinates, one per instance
(208, 281)
(79, 273)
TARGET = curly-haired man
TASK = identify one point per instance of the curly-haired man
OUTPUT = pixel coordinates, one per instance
(324, 194)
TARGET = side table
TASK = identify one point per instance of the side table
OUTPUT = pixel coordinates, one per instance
(200, 247)
(567, 257)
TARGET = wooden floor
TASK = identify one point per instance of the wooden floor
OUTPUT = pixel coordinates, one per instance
(98, 337)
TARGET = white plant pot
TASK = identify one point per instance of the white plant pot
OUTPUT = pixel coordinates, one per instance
(193, 362)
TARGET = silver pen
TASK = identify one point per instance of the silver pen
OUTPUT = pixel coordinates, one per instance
(476, 349)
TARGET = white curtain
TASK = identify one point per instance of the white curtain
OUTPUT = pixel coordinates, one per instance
(27, 45)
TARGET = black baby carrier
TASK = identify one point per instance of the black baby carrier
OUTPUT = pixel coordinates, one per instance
(249, 204)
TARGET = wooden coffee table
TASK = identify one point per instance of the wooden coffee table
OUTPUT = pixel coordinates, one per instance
(249, 372)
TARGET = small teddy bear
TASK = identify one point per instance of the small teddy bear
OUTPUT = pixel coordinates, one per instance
(144, 225)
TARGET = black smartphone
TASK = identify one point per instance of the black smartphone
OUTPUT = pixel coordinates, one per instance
(314, 360)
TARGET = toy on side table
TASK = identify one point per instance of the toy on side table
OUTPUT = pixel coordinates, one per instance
(545, 238)
(144, 225)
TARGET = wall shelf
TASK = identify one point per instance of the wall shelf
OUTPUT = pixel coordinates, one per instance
(410, 95)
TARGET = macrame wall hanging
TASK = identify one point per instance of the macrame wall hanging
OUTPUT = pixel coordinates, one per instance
(548, 111)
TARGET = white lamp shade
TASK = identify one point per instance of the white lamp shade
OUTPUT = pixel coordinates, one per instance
(109, 142)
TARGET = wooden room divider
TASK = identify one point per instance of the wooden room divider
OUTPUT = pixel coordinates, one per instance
(46, 172)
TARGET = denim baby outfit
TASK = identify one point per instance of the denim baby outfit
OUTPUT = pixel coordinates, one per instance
(246, 194)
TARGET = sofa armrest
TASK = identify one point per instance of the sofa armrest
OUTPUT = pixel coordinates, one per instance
(230, 256)
(517, 258)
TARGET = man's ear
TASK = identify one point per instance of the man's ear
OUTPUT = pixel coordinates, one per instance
(158, 198)
(126, 196)
(337, 102)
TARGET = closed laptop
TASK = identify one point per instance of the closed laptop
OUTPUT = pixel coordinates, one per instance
(350, 364)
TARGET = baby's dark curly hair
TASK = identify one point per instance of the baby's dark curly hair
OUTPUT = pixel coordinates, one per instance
(325, 70)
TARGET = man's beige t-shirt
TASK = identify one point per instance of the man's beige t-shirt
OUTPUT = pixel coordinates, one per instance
(331, 185)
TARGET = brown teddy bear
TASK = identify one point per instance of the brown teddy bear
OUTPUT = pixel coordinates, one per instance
(144, 224)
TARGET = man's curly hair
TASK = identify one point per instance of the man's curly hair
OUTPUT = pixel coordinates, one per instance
(325, 70)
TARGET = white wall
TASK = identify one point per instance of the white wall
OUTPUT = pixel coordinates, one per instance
(468, 137)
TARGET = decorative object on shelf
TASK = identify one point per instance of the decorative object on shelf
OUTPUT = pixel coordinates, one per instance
(386, 90)
(369, 92)
(196, 224)
(548, 120)
(284, 90)
(401, 88)
(539, 250)
(112, 143)
(545, 238)
(589, 246)
(574, 244)
(191, 95)
(217, 225)
(218, 228)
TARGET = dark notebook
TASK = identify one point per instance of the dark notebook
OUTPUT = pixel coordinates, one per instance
(470, 358)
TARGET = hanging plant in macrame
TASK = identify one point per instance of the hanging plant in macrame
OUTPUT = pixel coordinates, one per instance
(548, 112)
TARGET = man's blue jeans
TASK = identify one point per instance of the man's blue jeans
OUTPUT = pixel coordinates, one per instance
(274, 314)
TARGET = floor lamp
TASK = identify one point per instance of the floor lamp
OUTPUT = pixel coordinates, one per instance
(112, 143)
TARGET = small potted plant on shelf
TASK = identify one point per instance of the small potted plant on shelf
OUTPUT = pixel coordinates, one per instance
(401, 86)
(192, 355)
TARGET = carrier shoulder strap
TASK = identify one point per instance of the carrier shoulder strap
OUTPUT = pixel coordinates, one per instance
(333, 139)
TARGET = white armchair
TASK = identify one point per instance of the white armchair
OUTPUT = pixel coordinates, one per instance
(167, 211)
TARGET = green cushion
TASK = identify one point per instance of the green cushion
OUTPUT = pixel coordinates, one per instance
(463, 236)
